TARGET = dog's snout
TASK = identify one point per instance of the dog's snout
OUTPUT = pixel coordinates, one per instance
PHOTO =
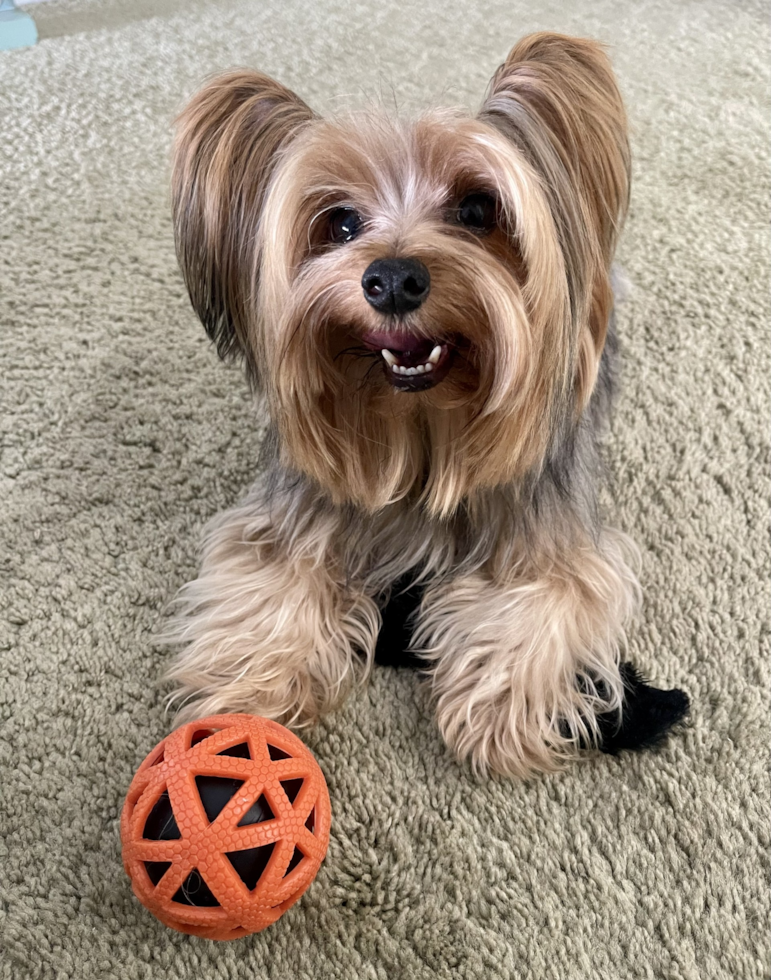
(396, 285)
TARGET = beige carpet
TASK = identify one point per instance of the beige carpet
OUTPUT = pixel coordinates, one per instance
(121, 433)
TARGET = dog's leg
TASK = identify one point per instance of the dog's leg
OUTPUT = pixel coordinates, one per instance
(525, 670)
(269, 626)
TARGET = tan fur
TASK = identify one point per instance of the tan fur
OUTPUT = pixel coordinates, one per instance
(368, 443)
(567, 88)
(478, 485)
(227, 145)
(507, 654)
(268, 628)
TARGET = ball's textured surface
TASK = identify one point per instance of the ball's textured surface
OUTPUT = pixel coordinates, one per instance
(225, 825)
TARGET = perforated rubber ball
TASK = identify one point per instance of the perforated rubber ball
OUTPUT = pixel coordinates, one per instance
(225, 825)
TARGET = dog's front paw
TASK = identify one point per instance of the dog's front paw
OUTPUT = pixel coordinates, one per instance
(293, 700)
(498, 737)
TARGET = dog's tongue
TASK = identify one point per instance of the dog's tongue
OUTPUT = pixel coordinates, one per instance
(408, 349)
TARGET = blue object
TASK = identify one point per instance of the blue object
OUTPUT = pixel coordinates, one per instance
(17, 30)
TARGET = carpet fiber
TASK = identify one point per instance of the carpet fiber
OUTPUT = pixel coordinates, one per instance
(122, 433)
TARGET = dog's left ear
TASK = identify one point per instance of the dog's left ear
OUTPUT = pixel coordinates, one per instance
(556, 98)
(228, 141)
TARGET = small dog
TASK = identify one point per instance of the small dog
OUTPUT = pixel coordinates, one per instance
(427, 311)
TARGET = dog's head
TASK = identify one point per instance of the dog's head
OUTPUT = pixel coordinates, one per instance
(424, 303)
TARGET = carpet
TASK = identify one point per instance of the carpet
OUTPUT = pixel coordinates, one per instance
(122, 434)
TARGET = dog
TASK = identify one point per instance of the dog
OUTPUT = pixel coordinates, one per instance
(426, 309)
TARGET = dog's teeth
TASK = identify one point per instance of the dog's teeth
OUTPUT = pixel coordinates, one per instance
(424, 368)
(411, 371)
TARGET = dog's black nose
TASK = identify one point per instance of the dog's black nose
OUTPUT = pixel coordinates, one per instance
(396, 285)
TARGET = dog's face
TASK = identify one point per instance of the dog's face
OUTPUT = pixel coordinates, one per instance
(423, 303)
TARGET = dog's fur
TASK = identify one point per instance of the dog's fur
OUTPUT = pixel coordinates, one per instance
(479, 488)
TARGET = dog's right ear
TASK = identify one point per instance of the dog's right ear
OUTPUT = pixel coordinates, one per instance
(228, 140)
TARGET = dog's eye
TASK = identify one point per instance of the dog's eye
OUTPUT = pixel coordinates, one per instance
(478, 212)
(344, 225)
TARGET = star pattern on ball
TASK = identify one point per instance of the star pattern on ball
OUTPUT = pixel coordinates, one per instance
(225, 825)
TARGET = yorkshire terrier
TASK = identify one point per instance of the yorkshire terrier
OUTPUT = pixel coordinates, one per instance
(427, 310)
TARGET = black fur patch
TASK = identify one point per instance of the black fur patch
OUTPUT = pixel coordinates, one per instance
(393, 641)
(647, 716)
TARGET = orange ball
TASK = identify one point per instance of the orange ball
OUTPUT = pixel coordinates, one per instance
(225, 825)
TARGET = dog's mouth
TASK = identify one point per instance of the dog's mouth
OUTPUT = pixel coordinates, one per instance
(411, 363)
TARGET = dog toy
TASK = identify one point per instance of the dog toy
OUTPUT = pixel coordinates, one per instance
(225, 826)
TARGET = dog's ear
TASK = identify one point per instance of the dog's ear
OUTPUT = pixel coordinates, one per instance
(556, 98)
(228, 140)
